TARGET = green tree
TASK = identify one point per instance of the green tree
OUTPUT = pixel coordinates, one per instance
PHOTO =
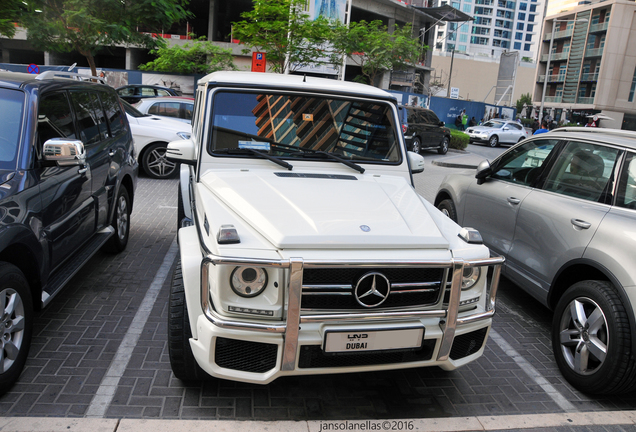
(199, 57)
(371, 46)
(86, 26)
(9, 14)
(283, 30)
(524, 99)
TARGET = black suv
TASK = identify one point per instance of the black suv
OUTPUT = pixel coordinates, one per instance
(423, 130)
(67, 180)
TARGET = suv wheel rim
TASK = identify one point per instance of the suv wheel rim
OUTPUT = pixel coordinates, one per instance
(416, 146)
(122, 217)
(13, 322)
(159, 164)
(583, 336)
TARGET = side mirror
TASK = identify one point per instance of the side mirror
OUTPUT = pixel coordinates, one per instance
(416, 162)
(483, 170)
(506, 128)
(64, 151)
(441, 123)
(182, 151)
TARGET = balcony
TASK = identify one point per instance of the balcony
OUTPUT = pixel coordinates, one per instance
(589, 77)
(600, 27)
(553, 99)
(585, 100)
(558, 35)
(555, 56)
(593, 52)
(552, 78)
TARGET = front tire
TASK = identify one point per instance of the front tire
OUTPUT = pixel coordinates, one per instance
(448, 208)
(17, 324)
(416, 147)
(184, 365)
(591, 339)
(121, 222)
(493, 141)
(443, 148)
(155, 161)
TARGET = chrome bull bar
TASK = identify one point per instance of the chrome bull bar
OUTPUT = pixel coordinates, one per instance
(293, 317)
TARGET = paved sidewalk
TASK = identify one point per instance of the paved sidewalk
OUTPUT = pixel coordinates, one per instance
(590, 421)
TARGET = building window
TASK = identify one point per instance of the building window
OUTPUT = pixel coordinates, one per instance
(461, 48)
(455, 5)
(530, 27)
(633, 88)
(517, 45)
(519, 26)
(519, 36)
(531, 18)
(464, 28)
(463, 38)
(523, 6)
(593, 91)
(559, 90)
(528, 38)
(467, 8)
(533, 8)
(526, 47)
(522, 16)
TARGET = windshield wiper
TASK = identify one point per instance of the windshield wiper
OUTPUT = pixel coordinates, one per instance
(256, 153)
(310, 152)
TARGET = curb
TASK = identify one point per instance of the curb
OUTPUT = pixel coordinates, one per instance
(453, 165)
(535, 422)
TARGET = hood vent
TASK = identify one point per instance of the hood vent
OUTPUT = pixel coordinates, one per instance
(317, 176)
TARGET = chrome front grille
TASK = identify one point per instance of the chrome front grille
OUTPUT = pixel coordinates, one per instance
(333, 288)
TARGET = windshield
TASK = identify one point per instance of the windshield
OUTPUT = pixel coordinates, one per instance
(302, 126)
(493, 124)
(11, 107)
(131, 110)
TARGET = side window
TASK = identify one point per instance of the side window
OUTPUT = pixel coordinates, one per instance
(90, 116)
(148, 91)
(54, 118)
(523, 165)
(170, 109)
(187, 111)
(515, 126)
(126, 91)
(411, 116)
(626, 196)
(114, 114)
(583, 170)
(161, 92)
(433, 118)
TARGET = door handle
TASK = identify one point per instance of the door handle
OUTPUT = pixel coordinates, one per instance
(580, 223)
(82, 170)
(513, 200)
(111, 153)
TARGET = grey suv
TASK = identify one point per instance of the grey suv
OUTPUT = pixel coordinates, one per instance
(67, 182)
(561, 207)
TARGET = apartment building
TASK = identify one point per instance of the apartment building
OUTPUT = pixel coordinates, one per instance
(498, 26)
(589, 58)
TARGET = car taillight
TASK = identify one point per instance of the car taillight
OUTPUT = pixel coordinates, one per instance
(404, 128)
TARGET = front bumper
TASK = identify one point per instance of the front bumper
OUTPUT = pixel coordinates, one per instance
(260, 352)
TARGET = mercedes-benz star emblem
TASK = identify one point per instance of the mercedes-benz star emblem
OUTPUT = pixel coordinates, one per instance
(372, 289)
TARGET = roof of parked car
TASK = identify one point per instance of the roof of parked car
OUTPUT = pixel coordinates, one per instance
(617, 137)
(294, 82)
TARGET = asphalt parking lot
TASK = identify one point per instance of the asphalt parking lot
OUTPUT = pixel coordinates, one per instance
(93, 356)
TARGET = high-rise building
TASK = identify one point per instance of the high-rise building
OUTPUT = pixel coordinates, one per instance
(588, 56)
(498, 26)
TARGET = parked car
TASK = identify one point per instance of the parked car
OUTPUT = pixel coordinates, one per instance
(133, 93)
(176, 107)
(152, 135)
(68, 178)
(496, 131)
(561, 207)
(304, 248)
(423, 130)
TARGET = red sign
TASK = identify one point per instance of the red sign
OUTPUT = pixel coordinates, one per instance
(259, 64)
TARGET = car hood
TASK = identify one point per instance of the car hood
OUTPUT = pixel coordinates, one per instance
(481, 129)
(314, 211)
(157, 122)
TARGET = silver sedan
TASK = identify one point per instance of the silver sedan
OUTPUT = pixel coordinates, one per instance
(497, 131)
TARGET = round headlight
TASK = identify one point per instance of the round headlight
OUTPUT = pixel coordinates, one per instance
(470, 277)
(248, 281)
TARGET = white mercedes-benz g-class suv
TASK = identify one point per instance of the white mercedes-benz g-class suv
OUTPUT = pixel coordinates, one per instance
(304, 248)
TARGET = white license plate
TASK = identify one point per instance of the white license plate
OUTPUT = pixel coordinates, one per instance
(376, 340)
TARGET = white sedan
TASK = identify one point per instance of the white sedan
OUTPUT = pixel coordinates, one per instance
(176, 107)
(151, 135)
(498, 131)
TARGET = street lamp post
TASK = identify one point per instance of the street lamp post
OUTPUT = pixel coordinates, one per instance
(547, 66)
